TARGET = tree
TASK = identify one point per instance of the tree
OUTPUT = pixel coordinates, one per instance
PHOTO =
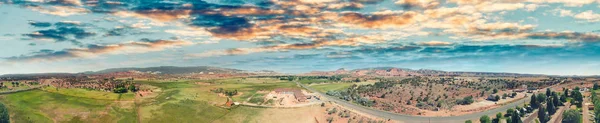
(514, 118)
(513, 95)
(541, 98)
(577, 97)
(555, 100)
(550, 107)
(132, 88)
(533, 101)
(571, 116)
(542, 115)
(566, 93)
(595, 86)
(563, 98)
(494, 91)
(548, 92)
(485, 119)
(498, 117)
(510, 112)
(497, 98)
(468, 121)
(4, 116)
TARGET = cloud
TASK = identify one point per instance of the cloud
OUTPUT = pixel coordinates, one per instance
(531, 7)
(418, 3)
(345, 6)
(40, 24)
(589, 16)
(574, 36)
(64, 31)
(352, 41)
(387, 20)
(98, 50)
(571, 3)
(435, 43)
(59, 10)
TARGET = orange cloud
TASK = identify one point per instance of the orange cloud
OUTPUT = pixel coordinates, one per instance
(379, 20)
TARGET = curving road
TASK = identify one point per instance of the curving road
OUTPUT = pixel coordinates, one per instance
(418, 119)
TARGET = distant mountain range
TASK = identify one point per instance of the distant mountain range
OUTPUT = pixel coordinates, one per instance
(379, 71)
(392, 71)
(158, 70)
(171, 70)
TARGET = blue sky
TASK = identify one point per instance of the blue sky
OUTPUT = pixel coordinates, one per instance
(559, 37)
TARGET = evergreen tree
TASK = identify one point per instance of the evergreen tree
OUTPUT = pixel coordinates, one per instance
(548, 92)
(515, 118)
(4, 116)
(550, 107)
(542, 115)
(555, 100)
(533, 101)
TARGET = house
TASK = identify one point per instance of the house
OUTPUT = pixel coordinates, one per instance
(492, 97)
(300, 97)
(519, 90)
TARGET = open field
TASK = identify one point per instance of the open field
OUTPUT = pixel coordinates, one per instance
(193, 100)
(336, 86)
(84, 93)
(43, 107)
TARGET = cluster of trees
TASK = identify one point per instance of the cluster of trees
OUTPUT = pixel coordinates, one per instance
(226, 92)
(511, 116)
(552, 101)
(123, 88)
(351, 95)
(292, 78)
(15, 84)
(596, 102)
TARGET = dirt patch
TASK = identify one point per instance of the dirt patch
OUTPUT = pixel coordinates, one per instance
(315, 114)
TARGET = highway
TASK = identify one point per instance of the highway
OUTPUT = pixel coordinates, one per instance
(418, 119)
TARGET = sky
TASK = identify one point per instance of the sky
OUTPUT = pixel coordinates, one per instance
(557, 37)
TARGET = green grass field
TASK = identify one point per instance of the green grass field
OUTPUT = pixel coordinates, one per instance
(94, 94)
(42, 107)
(172, 101)
(192, 100)
(335, 86)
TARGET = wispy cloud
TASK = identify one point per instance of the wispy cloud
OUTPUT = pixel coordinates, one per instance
(99, 50)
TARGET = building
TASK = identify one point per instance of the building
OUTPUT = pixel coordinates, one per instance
(300, 97)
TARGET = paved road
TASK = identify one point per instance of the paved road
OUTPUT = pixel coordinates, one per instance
(418, 119)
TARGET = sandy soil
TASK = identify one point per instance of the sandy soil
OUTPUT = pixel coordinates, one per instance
(313, 114)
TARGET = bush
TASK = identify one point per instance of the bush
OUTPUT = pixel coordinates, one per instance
(4, 116)
(465, 101)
